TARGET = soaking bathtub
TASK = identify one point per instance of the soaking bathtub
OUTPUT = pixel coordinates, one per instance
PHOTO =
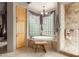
(47, 39)
(42, 38)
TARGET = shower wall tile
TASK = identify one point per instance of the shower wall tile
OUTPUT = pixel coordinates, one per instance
(72, 22)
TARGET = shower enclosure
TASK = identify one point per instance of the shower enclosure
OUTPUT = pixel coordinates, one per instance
(70, 28)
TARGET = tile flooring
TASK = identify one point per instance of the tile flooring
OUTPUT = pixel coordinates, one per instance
(29, 52)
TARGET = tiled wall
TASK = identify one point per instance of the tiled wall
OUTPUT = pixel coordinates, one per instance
(72, 26)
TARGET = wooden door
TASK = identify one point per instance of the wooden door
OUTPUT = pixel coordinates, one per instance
(21, 26)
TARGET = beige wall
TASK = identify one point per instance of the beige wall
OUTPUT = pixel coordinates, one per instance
(62, 26)
(10, 27)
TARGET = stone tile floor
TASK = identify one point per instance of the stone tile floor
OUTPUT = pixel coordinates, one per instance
(29, 52)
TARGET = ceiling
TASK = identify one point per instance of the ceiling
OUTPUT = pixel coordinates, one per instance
(38, 6)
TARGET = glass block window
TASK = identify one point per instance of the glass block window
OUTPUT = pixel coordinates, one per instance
(48, 25)
(34, 24)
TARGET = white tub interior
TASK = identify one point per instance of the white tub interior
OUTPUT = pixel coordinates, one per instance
(47, 38)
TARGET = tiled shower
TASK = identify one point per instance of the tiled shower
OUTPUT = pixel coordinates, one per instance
(72, 28)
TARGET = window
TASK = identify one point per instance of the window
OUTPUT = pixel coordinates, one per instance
(47, 25)
(34, 23)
